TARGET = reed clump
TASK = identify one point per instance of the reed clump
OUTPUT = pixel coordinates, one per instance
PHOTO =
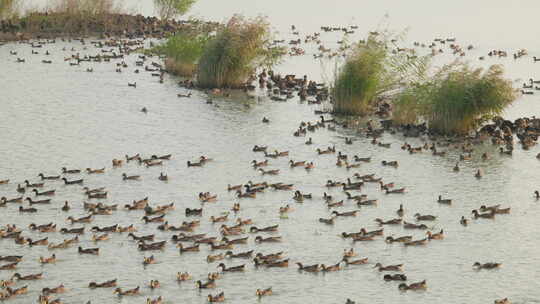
(234, 53)
(374, 71)
(183, 51)
(456, 100)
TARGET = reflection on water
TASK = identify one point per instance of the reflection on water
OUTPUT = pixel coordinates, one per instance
(57, 115)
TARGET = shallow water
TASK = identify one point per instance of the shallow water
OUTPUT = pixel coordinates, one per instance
(57, 115)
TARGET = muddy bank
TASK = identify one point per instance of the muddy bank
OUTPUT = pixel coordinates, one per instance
(53, 25)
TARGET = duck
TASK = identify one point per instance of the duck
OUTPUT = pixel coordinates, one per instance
(27, 210)
(329, 221)
(130, 292)
(463, 221)
(158, 300)
(194, 248)
(93, 251)
(70, 171)
(21, 189)
(85, 219)
(396, 267)
(417, 242)
(402, 239)
(407, 225)
(230, 255)
(395, 191)
(44, 193)
(414, 286)
(440, 200)
(309, 141)
(34, 185)
(217, 298)
(52, 177)
(394, 163)
(361, 261)
(348, 213)
(273, 228)
(479, 266)
(11, 200)
(400, 211)
(231, 269)
(30, 277)
(194, 164)
(435, 236)
(260, 239)
(478, 173)
(395, 277)
(134, 84)
(149, 260)
(58, 289)
(489, 215)
(9, 266)
(131, 177)
(502, 301)
(311, 268)
(456, 167)
(95, 171)
(72, 182)
(206, 285)
(184, 276)
(38, 202)
(107, 284)
(330, 268)
(102, 237)
(263, 292)
(395, 221)
(217, 257)
(426, 217)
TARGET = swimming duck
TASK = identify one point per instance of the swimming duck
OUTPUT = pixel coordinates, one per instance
(478, 173)
(130, 292)
(400, 211)
(44, 193)
(43, 177)
(456, 167)
(435, 236)
(30, 277)
(263, 292)
(11, 200)
(397, 267)
(184, 276)
(479, 266)
(489, 215)
(27, 210)
(85, 219)
(93, 251)
(72, 182)
(58, 289)
(158, 300)
(20, 189)
(208, 284)
(402, 239)
(395, 221)
(390, 163)
(131, 177)
(395, 277)
(273, 228)
(417, 242)
(217, 298)
(349, 213)
(260, 239)
(426, 217)
(70, 171)
(107, 284)
(444, 201)
(395, 191)
(231, 269)
(34, 185)
(194, 248)
(95, 171)
(502, 301)
(361, 261)
(414, 286)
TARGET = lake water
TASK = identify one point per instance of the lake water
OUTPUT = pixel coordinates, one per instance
(56, 115)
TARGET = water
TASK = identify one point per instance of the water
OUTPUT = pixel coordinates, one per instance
(57, 115)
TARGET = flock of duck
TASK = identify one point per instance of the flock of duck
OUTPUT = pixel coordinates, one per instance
(233, 231)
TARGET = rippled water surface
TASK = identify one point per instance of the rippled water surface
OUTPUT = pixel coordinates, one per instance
(56, 115)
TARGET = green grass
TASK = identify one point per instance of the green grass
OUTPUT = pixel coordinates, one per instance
(372, 72)
(236, 51)
(456, 100)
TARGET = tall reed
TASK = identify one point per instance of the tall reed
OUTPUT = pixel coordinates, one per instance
(238, 48)
(373, 71)
(457, 99)
(183, 51)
